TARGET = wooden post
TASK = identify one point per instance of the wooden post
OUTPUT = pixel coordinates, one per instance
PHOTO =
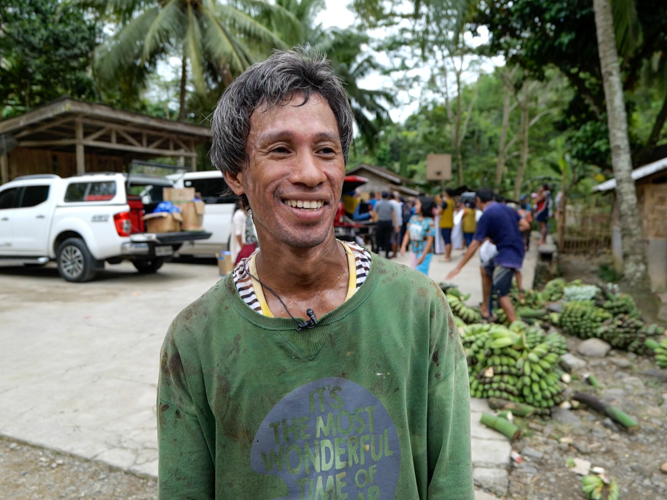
(193, 159)
(80, 156)
(4, 169)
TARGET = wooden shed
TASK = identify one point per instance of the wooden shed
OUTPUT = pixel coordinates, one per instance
(382, 179)
(68, 137)
(651, 183)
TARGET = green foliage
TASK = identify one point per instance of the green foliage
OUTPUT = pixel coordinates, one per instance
(46, 50)
(561, 33)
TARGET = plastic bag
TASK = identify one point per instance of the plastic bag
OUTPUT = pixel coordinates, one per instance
(166, 207)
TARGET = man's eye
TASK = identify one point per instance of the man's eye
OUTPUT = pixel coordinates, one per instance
(280, 150)
(327, 151)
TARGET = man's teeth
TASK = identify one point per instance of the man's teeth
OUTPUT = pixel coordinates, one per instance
(309, 205)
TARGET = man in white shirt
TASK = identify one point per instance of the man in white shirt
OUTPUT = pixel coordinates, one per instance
(398, 222)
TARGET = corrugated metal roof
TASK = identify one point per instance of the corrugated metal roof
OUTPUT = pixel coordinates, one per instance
(637, 174)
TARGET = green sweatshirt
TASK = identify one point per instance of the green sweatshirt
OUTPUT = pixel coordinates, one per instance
(373, 403)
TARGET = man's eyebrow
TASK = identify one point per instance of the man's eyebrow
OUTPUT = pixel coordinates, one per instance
(277, 135)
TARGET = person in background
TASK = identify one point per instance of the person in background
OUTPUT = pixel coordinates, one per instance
(503, 226)
(405, 216)
(542, 211)
(420, 234)
(469, 223)
(372, 200)
(447, 222)
(457, 231)
(237, 240)
(386, 224)
(525, 213)
(398, 212)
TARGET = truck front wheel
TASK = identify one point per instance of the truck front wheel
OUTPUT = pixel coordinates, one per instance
(75, 262)
(148, 266)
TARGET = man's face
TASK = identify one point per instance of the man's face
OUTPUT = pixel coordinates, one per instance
(295, 173)
(479, 203)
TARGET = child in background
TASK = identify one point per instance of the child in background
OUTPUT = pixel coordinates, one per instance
(421, 234)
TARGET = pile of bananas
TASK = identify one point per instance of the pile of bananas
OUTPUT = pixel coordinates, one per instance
(621, 304)
(553, 290)
(582, 319)
(519, 363)
(600, 487)
(467, 314)
(578, 293)
(624, 331)
(660, 350)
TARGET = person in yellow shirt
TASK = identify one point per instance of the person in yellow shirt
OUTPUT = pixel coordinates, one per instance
(469, 223)
(447, 222)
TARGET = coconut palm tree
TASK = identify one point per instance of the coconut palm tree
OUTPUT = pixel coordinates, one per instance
(208, 34)
(634, 253)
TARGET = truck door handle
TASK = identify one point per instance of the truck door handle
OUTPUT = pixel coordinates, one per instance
(40, 216)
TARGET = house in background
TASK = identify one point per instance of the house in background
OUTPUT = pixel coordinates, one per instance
(651, 183)
(68, 137)
(382, 179)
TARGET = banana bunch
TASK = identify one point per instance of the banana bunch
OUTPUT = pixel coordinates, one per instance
(467, 314)
(554, 319)
(553, 290)
(577, 293)
(531, 299)
(582, 319)
(660, 350)
(621, 304)
(599, 487)
(519, 363)
(629, 333)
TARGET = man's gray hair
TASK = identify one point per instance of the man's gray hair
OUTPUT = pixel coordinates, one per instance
(270, 83)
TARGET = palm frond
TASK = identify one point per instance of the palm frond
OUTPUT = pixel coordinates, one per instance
(193, 49)
(125, 47)
(168, 24)
(245, 24)
(627, 27)
(220, 44)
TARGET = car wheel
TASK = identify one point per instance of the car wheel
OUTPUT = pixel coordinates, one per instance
(75, 262)
(148, 266)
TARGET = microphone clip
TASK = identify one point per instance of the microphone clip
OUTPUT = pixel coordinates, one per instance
(311, 323)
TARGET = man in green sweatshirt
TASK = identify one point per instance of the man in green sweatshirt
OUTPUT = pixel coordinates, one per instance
(315, 370)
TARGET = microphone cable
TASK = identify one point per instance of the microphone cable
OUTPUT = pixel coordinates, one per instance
(301, 325)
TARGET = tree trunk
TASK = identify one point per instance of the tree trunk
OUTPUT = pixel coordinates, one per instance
(634, 251)
(503, 135)
(525, 119)
(184, 78)
(457, 132)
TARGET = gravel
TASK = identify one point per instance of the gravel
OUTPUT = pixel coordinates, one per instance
(31, 473)
(634, 459)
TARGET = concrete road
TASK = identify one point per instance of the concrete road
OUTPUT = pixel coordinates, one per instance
(79, 362)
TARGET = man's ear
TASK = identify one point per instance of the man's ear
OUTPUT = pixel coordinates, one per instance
(235, 182)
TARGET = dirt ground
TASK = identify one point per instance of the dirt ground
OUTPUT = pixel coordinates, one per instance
(30, 473)
(630, 382)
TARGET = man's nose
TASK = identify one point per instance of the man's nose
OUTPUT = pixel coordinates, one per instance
(307, 170)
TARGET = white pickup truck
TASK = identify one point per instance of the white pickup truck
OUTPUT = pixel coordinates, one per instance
(82, 222)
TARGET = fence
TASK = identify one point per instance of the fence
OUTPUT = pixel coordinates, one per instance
(586, 231)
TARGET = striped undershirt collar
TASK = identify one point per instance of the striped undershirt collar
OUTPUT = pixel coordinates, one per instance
(246, 290)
